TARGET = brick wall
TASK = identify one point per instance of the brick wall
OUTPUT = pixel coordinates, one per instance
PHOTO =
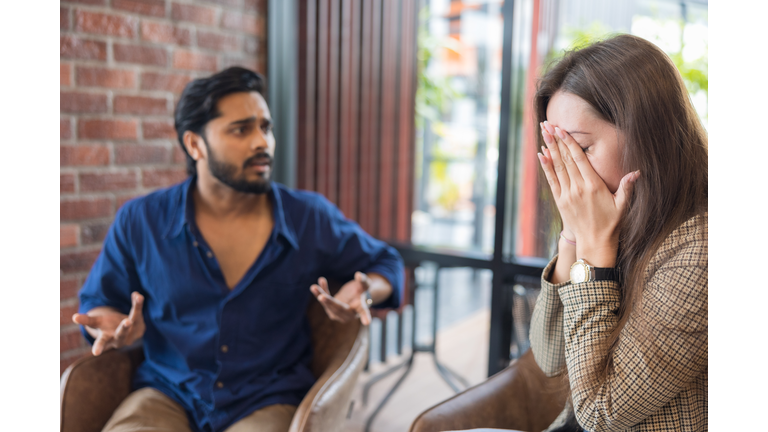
(123, 65)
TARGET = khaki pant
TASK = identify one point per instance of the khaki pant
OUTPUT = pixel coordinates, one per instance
(149, 410)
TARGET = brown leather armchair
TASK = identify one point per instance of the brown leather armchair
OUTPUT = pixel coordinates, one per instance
(93, 387)
(519, 397)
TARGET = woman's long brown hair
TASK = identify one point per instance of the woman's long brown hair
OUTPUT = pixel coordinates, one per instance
(632, 84)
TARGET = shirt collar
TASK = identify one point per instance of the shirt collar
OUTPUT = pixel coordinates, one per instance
(183, 212)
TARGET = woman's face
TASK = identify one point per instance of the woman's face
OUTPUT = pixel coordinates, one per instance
(598, 138)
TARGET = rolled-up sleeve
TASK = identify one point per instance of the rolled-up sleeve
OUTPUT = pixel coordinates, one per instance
(349, 249)
(113, 276)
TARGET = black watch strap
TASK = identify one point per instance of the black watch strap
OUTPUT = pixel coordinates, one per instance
(606, 274)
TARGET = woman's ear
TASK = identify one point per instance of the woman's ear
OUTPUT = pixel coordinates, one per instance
(193, 143)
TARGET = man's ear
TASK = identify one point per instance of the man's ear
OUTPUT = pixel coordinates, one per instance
(194, 145)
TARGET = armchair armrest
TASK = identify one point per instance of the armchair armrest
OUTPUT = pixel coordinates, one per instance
(339, 355)
(327, 402)
(519, 397)
(92, 387)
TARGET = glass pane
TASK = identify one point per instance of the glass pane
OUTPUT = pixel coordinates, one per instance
(543, 29)
(457, 106)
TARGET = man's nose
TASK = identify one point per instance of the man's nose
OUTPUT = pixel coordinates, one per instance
(259, 141)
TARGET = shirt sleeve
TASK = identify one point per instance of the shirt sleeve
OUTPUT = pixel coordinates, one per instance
(113, 276)
(349, 249)
(661, 350)
(546, 335)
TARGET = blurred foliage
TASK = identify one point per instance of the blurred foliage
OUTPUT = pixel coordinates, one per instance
(695, 72)
(434, 94)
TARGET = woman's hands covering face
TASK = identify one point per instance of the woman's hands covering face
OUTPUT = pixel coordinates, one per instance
(590, 212)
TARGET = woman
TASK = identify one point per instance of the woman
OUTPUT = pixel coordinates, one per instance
(623, 307)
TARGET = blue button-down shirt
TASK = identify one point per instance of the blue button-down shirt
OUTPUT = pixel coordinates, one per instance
(155, 248)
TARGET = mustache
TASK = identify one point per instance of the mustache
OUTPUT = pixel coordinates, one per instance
(259, 158)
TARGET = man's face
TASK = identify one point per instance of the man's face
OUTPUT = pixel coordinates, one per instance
(239, 143)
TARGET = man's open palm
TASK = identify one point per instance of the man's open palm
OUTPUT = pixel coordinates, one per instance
(113, 329)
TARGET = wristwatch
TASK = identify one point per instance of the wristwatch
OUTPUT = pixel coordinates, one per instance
(582, 271)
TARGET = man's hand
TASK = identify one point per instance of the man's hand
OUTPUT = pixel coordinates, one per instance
(348, 304)
(112, 329)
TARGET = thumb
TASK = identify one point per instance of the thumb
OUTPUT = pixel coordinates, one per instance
(137, 301)
(626, 187)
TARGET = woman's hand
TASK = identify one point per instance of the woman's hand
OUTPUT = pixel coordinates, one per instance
(588, 209)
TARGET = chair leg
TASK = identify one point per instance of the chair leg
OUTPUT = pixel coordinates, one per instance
(409, 364)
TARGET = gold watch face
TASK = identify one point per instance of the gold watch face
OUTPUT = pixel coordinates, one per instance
(579, 272)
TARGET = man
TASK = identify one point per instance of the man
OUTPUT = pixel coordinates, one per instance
(215, 274)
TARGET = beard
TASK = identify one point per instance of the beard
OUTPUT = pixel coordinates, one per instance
(227, 173)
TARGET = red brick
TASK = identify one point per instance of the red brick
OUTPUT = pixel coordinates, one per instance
(85, 208)
(196, 14)
(102, 77)
(68, 235)
(179, 156)
(65, 127)
(142, 7)
(183, 59)
(66, 312)
(94, 232)
(65, 74)
(72, 102)
(218, 41)
(232, 3)
(163, 177)
(157, 129)
(169, 82)
(65, 362)
(259, 6)
(106, 129)
(67, 183)
(248, 63)
(64, 18)
(165, 33)
(74, 262)
(140, 105)
(110, 181)
(69, 286)
(140, 54)
(251, 24)
(86, 155)
(105, 24)
(77, 48)
(71, 339)
(89, 2)
(253, 45)
(141, 154)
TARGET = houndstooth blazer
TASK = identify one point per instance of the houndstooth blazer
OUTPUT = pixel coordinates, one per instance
(659, 379)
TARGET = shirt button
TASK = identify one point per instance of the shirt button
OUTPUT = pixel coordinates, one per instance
(209, 254)
(224, 348)
(219, 384)
(194, 244)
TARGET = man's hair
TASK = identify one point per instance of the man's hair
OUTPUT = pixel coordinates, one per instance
(198, 103)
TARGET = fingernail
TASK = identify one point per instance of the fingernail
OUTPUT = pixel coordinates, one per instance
(559, 133)
(541, 158)
(547, 138)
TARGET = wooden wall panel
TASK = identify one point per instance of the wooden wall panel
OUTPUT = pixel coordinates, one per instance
(357, 80)
(307, 109)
